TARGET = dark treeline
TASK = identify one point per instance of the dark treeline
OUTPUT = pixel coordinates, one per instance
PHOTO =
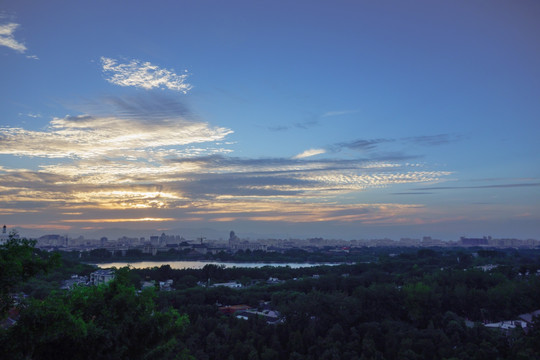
(405, 304)
(410, 306)
(290, 255)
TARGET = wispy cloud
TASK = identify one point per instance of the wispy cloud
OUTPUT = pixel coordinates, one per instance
(494, 186)
(35, 116)
(433, 140)
(140, 126)
(86, 136)
(143, 75)
(311, 121)
(338, 113)
(212, 187)
(375, 144)
(304, 125)
(362, 144)
(150, 159)
(309, 153)
(7, 37)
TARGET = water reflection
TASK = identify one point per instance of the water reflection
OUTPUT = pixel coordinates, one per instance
(200, 264)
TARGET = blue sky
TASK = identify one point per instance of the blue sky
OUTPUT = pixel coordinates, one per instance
(349, 119)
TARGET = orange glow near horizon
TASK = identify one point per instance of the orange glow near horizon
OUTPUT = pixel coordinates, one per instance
(118, 220)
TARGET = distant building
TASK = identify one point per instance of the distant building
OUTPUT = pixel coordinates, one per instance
(230, 310)
(101, 277)
(149, 249)
(11, 318)
(217, 250)
(235, 244)
(233, 239)
(475, 241)
(429, 241)
(488, 267)
(409, 242)
(270, 316)
(154, 240)
(53, 240)
(148, 284)
(529, 317)
(200, 248)
(75, 280)
(4, 236)
(507, 326)
(166, 285)
(232, 285)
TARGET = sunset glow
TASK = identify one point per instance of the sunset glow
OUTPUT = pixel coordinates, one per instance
(296, 119)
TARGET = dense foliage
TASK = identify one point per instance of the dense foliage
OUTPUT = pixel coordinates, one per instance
(109, 321)
(20, 261)
(411, 306)
(406, 304)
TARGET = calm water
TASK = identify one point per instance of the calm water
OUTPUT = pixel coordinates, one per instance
(200, 264)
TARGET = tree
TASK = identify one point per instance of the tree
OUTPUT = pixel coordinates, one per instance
(109, 321)
(19, 261)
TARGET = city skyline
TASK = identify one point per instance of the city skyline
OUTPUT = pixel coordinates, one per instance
(349, 120)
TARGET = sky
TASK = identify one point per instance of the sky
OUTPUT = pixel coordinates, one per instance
(343, 119)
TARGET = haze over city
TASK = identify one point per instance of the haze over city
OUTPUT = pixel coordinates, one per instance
(349, 119)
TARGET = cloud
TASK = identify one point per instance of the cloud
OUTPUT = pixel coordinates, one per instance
(372, 144)
(433, 140)
(338, 113)
(156, 126)
(35, 116)
(495, 186)
(217, 176)
(121, 220)
(313, 212)
(307, 124)
(362, 144)
(149, 106)
(278, 128)
(313, 121)
(143, 75)
(199, 185)
(151, 158)
(304, 125)
(86, 136)
(7, 39)
(309, 153)
(412, 193)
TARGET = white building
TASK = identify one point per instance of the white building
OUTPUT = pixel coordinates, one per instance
(101, 277)
(232, 285)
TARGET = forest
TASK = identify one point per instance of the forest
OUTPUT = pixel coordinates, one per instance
(403, 304)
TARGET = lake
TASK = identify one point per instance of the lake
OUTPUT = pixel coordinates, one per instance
(200, 264)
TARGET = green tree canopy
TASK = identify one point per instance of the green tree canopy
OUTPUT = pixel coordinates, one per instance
(19, 261)
(110, 321)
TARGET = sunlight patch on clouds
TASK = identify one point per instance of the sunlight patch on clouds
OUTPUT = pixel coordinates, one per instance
(353, 181)
(143, 75)
(88, 137)
(309, 153)
(145, 219)
(7, 39)
(312, 212)
(16, 211)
